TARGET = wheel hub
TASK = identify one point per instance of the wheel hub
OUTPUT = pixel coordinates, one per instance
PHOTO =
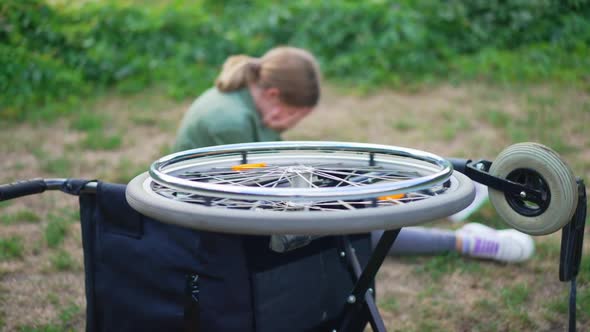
(535, 181)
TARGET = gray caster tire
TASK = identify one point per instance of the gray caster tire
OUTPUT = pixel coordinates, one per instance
(538, 166)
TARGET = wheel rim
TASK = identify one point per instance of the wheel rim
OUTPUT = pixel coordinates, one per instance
(299, 172)
(533, 180)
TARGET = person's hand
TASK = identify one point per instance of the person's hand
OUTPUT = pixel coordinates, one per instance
(281, 118)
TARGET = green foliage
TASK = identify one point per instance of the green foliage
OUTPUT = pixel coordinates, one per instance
(515, 296)
(11, 248)
(69, 314)
(390, 303)
(62, 261)
(56, 231)
(584, 302)
(125, 170)
(66, 316)
(448, 263)
(86, 121)
(547, 250)
(404, 124)
(19, 216)
(54, 56)
(487, 215)
(43, 328)
(58, 166)
(98, 140)
(497, 118)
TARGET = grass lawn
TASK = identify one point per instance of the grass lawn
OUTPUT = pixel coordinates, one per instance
(117, 136)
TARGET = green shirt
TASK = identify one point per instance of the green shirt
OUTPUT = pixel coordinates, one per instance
(217, 118)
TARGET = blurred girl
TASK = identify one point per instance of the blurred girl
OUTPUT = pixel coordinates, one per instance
(255, 99)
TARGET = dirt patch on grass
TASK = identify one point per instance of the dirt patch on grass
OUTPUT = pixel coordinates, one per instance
(442, 121)
(36, 300)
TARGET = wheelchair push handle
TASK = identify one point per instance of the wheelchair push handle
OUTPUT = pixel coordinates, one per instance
(22, 188)
(36, 186)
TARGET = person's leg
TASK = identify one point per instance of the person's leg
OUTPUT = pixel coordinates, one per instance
(506, 245)
(420, 241)
(473, 239)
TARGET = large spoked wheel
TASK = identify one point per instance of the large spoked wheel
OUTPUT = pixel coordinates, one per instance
(540, 168)
(314, 188)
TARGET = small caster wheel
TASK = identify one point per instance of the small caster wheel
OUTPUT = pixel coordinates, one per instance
(540, 168)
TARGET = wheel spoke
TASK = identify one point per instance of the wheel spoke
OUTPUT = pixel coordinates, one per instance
(346, 205)
(337, 205)
(371, 175)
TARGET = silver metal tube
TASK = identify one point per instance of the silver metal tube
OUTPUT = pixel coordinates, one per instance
(57, 184)
(54, 184)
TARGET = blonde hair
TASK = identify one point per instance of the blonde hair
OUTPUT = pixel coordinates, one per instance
(293, 71)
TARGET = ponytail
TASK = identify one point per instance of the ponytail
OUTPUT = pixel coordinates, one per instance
(236, 72)
(293, 71)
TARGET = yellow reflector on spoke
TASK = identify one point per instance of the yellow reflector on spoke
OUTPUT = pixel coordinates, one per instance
(388, 197)
(245, 167)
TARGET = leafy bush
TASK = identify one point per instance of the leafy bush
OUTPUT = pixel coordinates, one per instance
(52, 57)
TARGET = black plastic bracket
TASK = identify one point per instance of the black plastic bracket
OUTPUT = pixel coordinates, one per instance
(572, 238)
(479, 171)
